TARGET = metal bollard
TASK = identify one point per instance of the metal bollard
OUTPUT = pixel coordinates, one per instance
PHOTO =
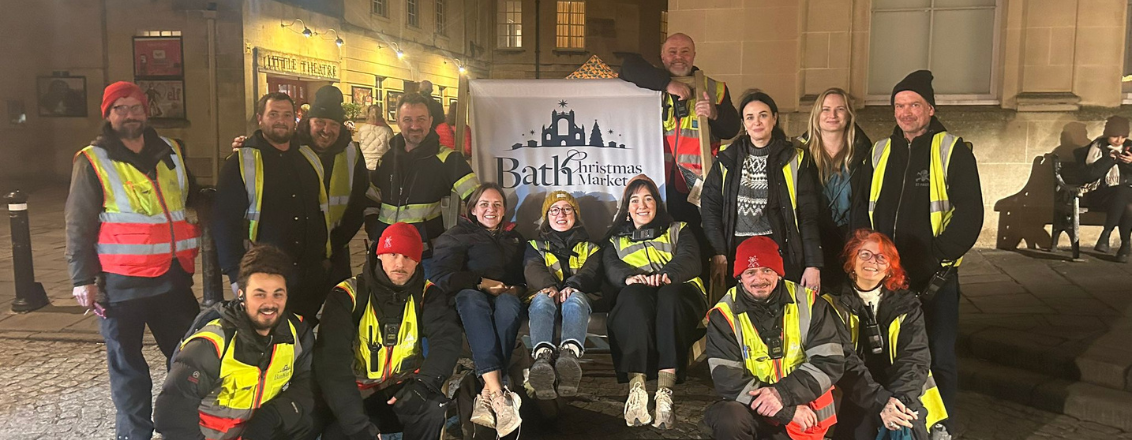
(29, 294)
(214, 286)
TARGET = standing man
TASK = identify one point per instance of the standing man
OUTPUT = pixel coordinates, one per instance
(435, 108)
(416, 173)
(270, 192)
(682, 164)
(247, 372)
(925, 195)
(130, 250)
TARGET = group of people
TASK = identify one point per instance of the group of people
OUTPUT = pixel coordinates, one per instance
(817, 241)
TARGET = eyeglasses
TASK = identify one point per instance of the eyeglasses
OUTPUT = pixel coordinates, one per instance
(865, 255)
(127, 109)
(564, 211)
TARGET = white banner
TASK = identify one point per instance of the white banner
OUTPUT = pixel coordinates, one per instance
(587, 137)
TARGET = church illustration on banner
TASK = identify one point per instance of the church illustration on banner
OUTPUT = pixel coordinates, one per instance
(568, 134)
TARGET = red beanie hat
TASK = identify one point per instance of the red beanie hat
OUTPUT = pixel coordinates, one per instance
(119, 90)
(401, 238)
(758, 251)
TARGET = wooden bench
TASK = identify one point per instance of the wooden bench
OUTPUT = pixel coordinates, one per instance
(1068, 211)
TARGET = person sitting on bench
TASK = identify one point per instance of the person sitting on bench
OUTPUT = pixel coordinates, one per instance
(1108, 162)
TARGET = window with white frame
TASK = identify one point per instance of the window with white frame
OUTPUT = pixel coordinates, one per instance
(571, 28)
(663, 25)
(510, 24)
(955, 39)
(380, 7)
(413, 12)
(442, 17)
(159, 33)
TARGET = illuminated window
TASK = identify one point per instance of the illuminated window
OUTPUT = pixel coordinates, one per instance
(663, 25)
(159, 34)
(510, 24)
(571, 29)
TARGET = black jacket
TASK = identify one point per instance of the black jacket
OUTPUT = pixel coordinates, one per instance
(85, 203)
(823, 351)
(196, 372)
(418, 177)
(1099, 169)
(906, 187)
(834, 237)
(469, 251)
(646, 76)
(338, 332)
(684, 266)
(799, 245)
(587, 279)
(290, 216)
(871, 379)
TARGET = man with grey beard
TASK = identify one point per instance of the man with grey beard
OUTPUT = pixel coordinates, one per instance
(130, 250)
(270, 192)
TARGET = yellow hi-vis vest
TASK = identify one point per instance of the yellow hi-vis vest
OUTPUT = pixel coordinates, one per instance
(943, 144)
(682, 136)
(789, 173)
(650, 256)
(143, 225)
(582, 251)
(243, 388)
(251, 171)
(423, 212)
(341, 182)
(393, 363)
(929, 397)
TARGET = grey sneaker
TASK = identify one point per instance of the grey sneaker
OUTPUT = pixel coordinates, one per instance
(542, 374)
(569, 372)
(939, 432)
(481, 411)
(506, 407)
(665, 415)
(637, 407)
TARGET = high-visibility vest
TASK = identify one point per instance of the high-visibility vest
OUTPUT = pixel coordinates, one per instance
(789, 173)
(650, 256)
(143, 224)
(251, 171)
(943, 145)
(423, 212)
(682, 137)
(582, 251)
(929, 396)
(392, 363)
(341, 182)
(243, 388)
(796, 318)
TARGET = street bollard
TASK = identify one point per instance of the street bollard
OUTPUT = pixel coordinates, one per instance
(210, 265)
(29, 294)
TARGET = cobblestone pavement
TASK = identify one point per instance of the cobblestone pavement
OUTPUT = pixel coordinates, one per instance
(59, 390)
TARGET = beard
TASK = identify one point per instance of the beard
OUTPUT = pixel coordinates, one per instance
(279, 134)
(261, 322)
(130, 129)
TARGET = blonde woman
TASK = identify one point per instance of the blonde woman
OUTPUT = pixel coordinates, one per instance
(836, 147)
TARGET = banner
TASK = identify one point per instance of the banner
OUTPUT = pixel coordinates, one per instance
(586, 137)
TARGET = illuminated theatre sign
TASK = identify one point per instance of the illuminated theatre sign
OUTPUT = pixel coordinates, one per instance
(269, 61)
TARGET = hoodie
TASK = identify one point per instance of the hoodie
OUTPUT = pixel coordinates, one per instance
(586, 279)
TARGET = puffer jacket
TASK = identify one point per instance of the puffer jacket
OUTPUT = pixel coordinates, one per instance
(468, 252)
(374, 142)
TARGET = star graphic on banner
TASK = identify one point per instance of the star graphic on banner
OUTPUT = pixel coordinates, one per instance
(532, 132)
(610, 131)
(562, 103)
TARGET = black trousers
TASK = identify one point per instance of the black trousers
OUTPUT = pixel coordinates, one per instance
(941, 319)
(168, 316)
(683, 211)
(652, 328)
(425, 425)
(307, 289)
(728, 419)
(1116, 201)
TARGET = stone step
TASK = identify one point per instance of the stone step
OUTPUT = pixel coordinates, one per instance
(1082, 400)
(1105, 360)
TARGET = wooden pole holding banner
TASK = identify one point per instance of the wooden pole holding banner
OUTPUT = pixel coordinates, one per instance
(450, 206)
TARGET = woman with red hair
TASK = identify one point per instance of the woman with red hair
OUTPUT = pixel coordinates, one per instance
(887, 384)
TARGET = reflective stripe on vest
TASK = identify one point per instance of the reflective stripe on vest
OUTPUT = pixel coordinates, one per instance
(143, 225)
(682, 136)
(650, 256)
(251, 171)
(342, 182)
(243, 388)
(929, 395)
(796, 318)
(582, 251)
(943, 145)
(388, 365)
(416, 213)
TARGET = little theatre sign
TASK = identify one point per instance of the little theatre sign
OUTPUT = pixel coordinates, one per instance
(270, 61)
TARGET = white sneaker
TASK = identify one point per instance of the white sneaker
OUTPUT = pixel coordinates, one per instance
(637, 407)
(506, 407)
(665, 414)
(481, 411)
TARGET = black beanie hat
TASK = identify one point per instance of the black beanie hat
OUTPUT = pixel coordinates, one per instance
(920, 82)
(328, 105)
(1116, 126)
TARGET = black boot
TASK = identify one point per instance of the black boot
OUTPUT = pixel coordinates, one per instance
(569, 370)
(542, 375)
(1124, 251)
(1102, 242)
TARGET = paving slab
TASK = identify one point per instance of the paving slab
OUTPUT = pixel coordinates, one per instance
(40, 321)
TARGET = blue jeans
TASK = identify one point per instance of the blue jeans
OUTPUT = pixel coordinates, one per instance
(575, 319)
(491, 324)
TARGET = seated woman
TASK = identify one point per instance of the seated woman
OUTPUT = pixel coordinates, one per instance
(563, 269)
(1109, 162)
(887, 382)
(758, 187)
(480, 260)
(655, 262)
